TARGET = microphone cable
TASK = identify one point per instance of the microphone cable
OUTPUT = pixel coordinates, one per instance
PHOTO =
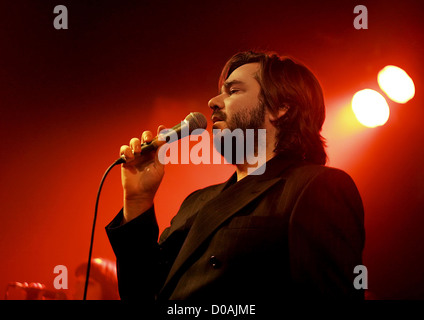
(195, 120)
(118, 161)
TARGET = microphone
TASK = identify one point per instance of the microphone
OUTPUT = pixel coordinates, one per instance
(193, 121)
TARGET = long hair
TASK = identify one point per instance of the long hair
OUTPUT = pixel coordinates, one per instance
(288, 84)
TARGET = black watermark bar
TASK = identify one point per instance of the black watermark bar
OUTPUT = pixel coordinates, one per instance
(398, 309)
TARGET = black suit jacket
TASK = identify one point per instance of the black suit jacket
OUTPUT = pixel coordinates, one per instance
(297, 231)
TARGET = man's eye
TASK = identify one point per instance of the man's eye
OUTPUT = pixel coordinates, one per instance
(233, 91)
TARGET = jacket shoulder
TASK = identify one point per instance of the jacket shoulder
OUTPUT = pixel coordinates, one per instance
(307, 178)
(204, 193)
(309, 172)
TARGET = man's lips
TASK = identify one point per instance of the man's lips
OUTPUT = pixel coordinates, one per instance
(216, 118)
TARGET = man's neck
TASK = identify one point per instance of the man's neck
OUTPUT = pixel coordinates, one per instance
(242, 169)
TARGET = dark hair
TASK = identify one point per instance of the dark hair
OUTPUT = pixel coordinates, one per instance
(286, 83)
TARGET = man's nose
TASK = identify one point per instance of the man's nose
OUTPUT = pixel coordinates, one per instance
(216, 102)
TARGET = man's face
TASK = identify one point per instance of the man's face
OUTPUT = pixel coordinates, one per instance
(238, 104)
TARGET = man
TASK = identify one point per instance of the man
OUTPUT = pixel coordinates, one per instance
(295, 231)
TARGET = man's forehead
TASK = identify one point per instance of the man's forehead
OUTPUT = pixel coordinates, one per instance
(246, 72)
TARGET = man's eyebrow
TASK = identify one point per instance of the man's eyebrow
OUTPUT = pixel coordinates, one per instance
(228, 84)
(232, 82)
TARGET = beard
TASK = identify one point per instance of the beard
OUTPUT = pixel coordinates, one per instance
(248, 120)
(238, 125)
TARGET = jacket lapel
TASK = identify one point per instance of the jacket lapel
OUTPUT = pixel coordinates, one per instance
(222, 207)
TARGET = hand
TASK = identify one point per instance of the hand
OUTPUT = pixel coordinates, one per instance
(141, 176)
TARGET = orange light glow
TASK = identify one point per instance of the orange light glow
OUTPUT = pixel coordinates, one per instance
(370, 108)
(396, 83)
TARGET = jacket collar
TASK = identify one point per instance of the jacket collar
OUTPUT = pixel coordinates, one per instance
(223, 206)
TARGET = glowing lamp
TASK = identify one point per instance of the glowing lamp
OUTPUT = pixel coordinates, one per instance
(370, 108)
(396, 83)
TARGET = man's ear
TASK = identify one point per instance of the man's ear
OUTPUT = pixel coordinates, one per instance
(281, 112)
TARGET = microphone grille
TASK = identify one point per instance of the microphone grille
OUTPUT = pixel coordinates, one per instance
(196, 120)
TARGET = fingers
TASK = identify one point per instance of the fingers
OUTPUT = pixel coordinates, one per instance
(147, 136)
(127, 153)
(160, 128)
(135, 144)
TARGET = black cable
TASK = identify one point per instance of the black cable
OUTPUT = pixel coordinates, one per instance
(119, 161)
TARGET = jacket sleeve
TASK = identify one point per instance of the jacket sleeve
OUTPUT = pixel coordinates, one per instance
(136, 250)
(142, 262)
(326, 237)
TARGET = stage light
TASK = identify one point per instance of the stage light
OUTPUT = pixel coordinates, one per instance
(370, 108)
(396, 83)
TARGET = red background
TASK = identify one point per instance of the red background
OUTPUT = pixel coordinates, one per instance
(70, 98)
